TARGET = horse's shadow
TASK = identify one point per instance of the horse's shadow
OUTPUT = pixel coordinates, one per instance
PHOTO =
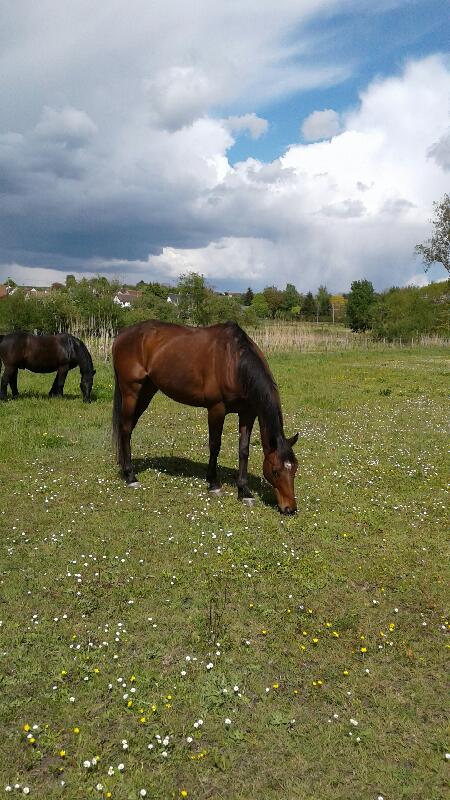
(33, 394)
(187, 468)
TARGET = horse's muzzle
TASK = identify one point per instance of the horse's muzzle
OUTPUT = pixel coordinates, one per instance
(287, 512)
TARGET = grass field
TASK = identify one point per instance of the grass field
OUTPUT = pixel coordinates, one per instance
(162, 641)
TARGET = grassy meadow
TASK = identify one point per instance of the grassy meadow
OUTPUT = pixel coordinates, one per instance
(162, 643)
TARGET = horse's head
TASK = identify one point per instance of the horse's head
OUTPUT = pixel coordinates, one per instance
(279, 468)
(87, 379)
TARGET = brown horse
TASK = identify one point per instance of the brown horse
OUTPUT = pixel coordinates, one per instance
(219, 368)
(60, 352)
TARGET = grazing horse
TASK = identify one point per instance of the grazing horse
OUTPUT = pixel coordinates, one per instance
(60, 352)
(219, 368)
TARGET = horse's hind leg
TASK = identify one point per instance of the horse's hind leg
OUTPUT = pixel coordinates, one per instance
(9, 376)
(245, 431)
(216, 417)
(134, 404)
(58, 384)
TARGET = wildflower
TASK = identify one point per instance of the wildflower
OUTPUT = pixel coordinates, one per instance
(335, 634)
(26, 727)
(315, 640)
(26, 790)
(363, 650)
(183, 793)
(121, 767)
(263, 632)
(227, 722)
(99, 787)
(133, 678)
(353, 722)
(189, 739)
(391, 626)
(143, 720)
(76, 731)
(62, 753)
(87, 764)
(276, 685)
(143, 793)
(210, 665)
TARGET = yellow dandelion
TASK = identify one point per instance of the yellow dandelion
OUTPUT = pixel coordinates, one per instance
(63, 673)
(391, 626)
(143, 720)
(133, 678)
(31, 740)
(335, 634)
(183, 793)
(26, 727)
(363, 650)
(315, 640)
(130, 703)
(154, 708)
(263, 632)
(275, 685)
(96, 670)
(76, 731)
(346, 673)
(328, 624)
(62, 753)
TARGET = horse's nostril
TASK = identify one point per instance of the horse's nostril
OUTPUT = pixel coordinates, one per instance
(288, 512)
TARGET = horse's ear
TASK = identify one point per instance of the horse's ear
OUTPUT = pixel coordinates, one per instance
(292, 440)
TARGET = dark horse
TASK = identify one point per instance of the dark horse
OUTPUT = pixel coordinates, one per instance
(219, 368)
(60, 352)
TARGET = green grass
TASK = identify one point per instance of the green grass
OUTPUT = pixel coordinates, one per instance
(101, 583)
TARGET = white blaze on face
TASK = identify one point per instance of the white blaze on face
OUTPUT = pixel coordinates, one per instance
(287, 465)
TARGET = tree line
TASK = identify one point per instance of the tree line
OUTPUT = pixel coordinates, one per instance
(90, 304)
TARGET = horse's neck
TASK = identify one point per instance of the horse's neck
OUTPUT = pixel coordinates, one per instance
(271, 425)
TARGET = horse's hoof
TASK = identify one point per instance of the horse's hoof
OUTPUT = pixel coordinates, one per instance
(248, 501)
(134, 485)
(216, 492)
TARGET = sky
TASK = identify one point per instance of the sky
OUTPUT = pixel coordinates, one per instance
(257, 142)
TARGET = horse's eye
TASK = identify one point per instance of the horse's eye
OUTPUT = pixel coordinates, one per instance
(275, 473)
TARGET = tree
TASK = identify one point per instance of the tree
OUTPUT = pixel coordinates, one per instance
(274, 299)
(193, 295)
(247, 297)
(360, 304)
(71, 281)
(260, 307)
(309, 308)
(323, 301)
(291, 298)
(437, 249)
(10, 282)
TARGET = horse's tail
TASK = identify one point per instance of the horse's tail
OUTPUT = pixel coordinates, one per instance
(116, 414)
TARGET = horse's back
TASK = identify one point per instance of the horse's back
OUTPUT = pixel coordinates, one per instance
(35, 353)
(191, 365)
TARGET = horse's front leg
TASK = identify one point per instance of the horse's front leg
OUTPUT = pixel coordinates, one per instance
(58, 384)
(13, 384)
(245, 431)
(216, 417)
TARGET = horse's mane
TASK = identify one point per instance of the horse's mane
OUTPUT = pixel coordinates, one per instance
(78, 349)
(259, 385)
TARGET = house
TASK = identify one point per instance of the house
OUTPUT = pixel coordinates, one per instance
(125, 298)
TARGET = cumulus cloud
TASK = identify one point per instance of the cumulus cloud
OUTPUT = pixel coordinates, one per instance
(321, 125)
(115, 130)
(440, 151)
(251, 123)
